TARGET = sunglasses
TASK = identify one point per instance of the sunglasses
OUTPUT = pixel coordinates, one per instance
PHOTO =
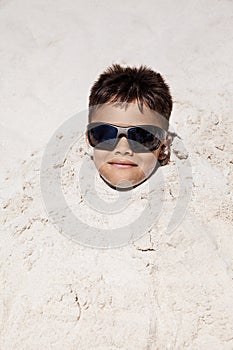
(141, 138)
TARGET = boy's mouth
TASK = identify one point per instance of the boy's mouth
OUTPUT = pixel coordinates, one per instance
(122, 163)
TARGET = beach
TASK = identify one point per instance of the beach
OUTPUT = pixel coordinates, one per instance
(165, 290)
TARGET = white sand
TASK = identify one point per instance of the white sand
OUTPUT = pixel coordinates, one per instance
(164, 291)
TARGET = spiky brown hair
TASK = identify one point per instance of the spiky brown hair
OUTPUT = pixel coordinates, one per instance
(130, 84)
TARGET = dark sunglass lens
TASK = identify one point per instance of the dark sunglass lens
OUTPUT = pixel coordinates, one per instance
(145, 139)
(102, 136)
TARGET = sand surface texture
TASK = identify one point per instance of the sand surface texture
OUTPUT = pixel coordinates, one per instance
(164, 291)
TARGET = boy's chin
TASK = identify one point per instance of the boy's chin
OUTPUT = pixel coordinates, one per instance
(122, 184)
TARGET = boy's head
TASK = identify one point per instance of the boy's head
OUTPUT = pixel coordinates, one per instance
(139, 102)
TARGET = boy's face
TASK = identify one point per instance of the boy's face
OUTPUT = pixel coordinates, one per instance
(107, 162)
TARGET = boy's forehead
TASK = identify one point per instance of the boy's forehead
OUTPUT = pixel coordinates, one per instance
(118, 114)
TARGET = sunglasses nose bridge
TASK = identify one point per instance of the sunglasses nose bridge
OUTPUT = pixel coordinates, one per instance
(122, 131)
(122, 146)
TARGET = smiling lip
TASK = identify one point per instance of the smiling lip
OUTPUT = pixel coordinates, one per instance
(122, 163)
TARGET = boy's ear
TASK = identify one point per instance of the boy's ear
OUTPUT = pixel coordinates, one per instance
(165, 152)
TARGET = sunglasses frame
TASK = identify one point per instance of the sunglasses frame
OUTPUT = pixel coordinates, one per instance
(123, 130)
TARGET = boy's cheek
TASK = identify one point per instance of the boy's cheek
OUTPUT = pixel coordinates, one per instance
(163, 150)
(100, 157)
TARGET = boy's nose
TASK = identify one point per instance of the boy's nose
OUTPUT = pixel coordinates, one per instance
(123, 146)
